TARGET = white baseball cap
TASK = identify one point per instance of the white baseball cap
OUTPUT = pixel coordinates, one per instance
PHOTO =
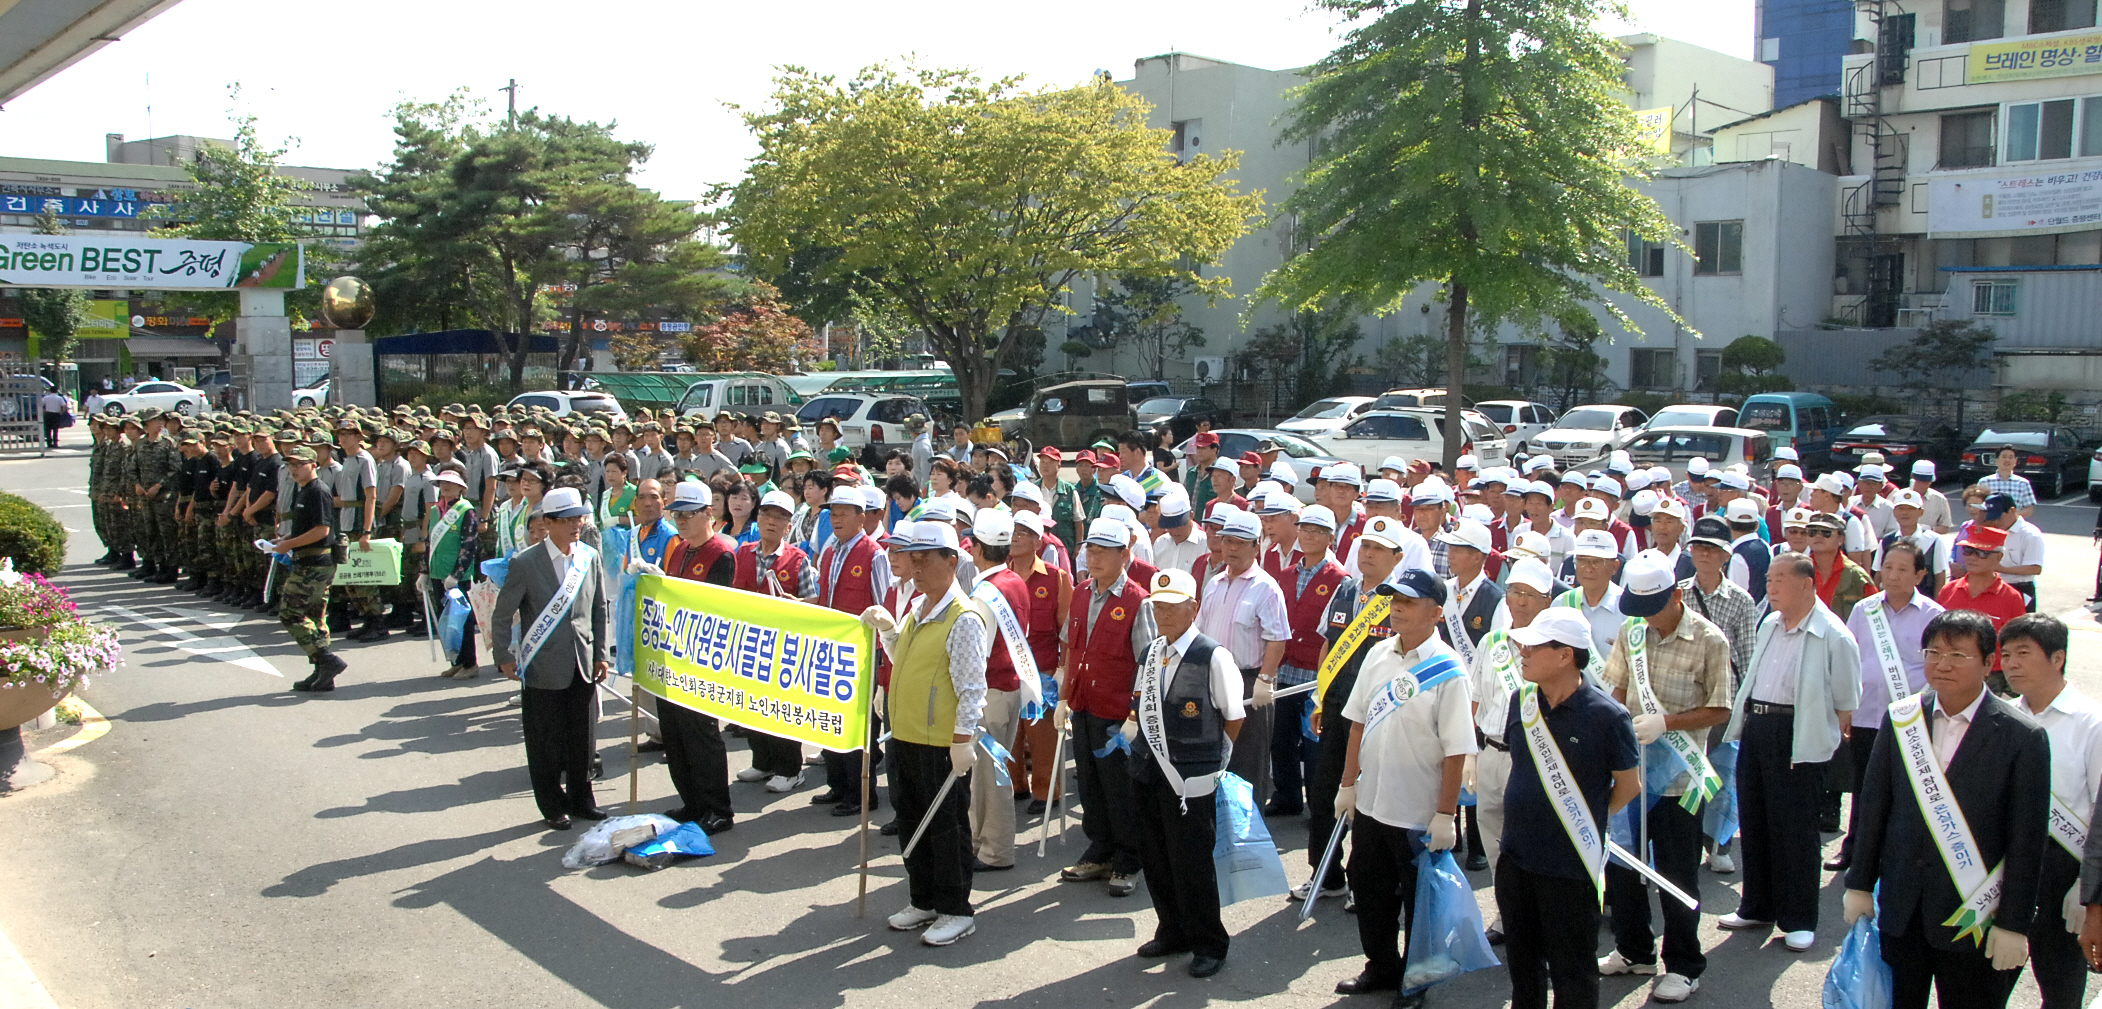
(994, 528)
(1467, 462)
(1030, 492)
(1831, 484)
(1735, 480)
(1241, 525)
(1923, 469)
(1382, 489)
(1120, 513)
(1561, 625)
(1592, 508)
(1871, 473)
(1282, 472)
(778, 499)
(691, 496)
(1646, 584)
(1479, 513)
(1644, 502)
(1433, 491)
(1529, 543)
(1534, 464)
(1175, 503)
(1638, 480)
(1670, 506)
(1279, 502)
(1318, 515)
(842, 494)
(1791, 471)
(1128, 490)
(1395, 463)
(871, 498)
(1346, 473)
(1031, 522)
(1532, 572)
(1796, 518)
(1467, 533)
(1789, 453)
(1743, 509)
(1908, 496)
(1108, 532)
(1607, 485)
(932, 536)
(1596, 543)
(1384, 530)
(1173, 585)
(1697, 466)
(563, 503)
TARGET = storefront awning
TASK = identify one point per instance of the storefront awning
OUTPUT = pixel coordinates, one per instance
(149, 347)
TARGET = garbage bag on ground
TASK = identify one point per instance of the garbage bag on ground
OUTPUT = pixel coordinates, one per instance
(685, 840)
(605, 841)
(1243, 855)
(1858, 978)
(1448, 939)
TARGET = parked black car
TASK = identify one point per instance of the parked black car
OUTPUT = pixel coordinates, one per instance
(1902, 439)
(2051, 456)
(1179, 415)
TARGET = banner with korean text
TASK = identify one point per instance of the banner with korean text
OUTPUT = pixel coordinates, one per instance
(778, 666)
(2029, 58)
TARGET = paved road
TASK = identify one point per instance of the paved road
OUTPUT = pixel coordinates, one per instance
(232, 844)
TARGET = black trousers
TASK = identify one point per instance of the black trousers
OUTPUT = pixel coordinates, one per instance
(2061, 969)
(1859, 742)
(1291, 753)
(1550, 937)
(1251, 749)
(1675, 851)
(558, 745)
(938, 872)
(1961, 978)
(1383, 877)
(779, 757)
(1333, 751)
(843, 770)
(1780, 849)
(699, 764)
(1175, 846)
(1108, 810)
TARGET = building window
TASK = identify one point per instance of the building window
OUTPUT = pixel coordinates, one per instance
(1650, 368)
(2040, 131)
(1967, 140)
(1189, 136)
(2060, 15)
(1718, 248)
(1992, 297)
(1707, 370)
(1972, 20)
(1645, 258)
(1521, 362)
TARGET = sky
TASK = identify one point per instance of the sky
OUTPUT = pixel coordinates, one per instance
(668, 72)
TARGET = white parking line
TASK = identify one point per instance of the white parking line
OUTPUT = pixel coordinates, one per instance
(223, 648)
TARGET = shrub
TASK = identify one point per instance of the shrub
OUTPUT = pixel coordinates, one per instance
(1647, 402)
(31, 536)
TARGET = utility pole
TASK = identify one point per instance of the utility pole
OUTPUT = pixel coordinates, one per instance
(511, 115)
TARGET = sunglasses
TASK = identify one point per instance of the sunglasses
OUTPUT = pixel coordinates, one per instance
(1821, 533)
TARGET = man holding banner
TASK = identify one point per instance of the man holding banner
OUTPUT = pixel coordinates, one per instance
(1953, 823)
(694, 753)
(1411, 719)
(1671, 668)
(852, 575)
(1575, 764)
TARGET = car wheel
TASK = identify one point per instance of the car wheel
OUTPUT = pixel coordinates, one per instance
(113, 409)
(304, 401)
(2058, 485)
(187, 408)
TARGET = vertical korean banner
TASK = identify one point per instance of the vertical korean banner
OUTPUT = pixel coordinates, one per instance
(778, 666)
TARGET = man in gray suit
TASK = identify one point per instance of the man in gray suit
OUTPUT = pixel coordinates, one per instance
(562, 659)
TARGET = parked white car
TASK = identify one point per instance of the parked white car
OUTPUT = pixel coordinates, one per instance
(1586, 432)
(865, 418)
(1694, 415)
(1674, 447)
(600, 405)
(166, 395)
(315, 396)
(1327, 416)
(1413, 435)
(1520, 419)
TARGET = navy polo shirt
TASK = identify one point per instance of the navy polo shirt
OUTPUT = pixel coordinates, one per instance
(1597, 738)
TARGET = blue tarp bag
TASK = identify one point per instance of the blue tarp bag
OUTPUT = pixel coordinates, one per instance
(454, 627)
(1449, 939)
(685, 840)
(496, 569)
(1243, 855)
(1858, 978)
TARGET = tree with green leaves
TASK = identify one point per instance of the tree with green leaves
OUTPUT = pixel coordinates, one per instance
(1303, 358)
(55, 314)
(1476, 145)
(425, 279)
(1146, 312)
(972, 205)
(1939, 357)
(1750, 365)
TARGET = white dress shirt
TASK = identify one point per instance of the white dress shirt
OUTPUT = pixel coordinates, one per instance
(1605, 619)
(1415, 553)
(561, 559)
(2073, 720)
(1950, 727)
(1245, 614)
(2025, 546)
(1401, 764)
(1775, 677)
(1169, 554)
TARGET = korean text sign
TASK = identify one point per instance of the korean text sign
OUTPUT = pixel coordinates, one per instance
(109, 260)
(774, 665)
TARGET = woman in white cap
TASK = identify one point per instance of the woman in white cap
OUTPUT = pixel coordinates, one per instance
(453, 530)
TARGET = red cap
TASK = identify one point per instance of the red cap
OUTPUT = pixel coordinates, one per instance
(1051, 452)
(1206, 439)
(1084, 456)
(1982, 537)
(1251, 459)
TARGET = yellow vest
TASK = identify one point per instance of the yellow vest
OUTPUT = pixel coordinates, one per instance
(922, 696)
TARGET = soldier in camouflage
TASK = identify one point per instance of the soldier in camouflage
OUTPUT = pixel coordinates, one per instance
(303, 600)
(158, 466)
(125, 487)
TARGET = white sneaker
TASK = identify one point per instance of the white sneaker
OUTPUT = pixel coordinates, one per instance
(779, 783)
(948, 928)
(1721, 862)
(1800, 941)
(516, 700)
(1299, 892)
(911, 918)
(1613, 963)
(1733, 922)
(1674, 988)
(751, 774)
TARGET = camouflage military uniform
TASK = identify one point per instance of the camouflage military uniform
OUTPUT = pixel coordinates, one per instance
(98, 510)
(125, 490)
(158, 465)
(302, 601)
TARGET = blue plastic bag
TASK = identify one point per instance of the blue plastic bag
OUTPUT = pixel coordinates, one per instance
(687, 839)
(454, 626)
(1448, 939)
(495, 569)
(1858, 978)
(1719, 816)
(1243, 855)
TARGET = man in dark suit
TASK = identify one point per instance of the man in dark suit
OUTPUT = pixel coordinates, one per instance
(562, 657)
(1994, 763)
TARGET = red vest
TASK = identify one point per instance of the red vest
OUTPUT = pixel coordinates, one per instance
(1100, 666)
(1499, 534)
(1277, 562)
(1042, 619)
(999, 668)
(785, 578)
(685, 560)
(1060, 556)
(1350, 533)
(1141, 572)
(856, 587)
(1305, 609)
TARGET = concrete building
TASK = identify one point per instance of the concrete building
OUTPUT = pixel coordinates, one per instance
(1804, 41)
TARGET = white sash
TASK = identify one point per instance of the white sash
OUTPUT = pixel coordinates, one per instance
(1562, 791)
(2068, 828)
(1706, 784)
(1016, 639)
(1152, 725)
(1945, 821)
(581, 561)
(446, 521)
(1456, 628)
(1885, 641)
(1402, 689)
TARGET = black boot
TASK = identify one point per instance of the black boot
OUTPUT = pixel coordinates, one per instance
(108, 557)
(327, 665)
(144, 570)
(192, 582)
(400, 618)
(375, 629)
(165, 575)
(125, 561)
(263, 604)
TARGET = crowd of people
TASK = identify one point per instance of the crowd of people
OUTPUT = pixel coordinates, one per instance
(1512, 663)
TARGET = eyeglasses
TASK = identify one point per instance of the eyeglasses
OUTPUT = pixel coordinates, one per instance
(1821, 532)
(1937, 655)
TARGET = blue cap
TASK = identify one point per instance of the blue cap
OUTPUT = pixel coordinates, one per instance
(1415, 583)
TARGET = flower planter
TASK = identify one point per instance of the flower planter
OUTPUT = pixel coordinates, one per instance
(22, 703)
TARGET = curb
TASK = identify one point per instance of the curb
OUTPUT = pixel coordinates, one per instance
(92, 727)
(18, 984)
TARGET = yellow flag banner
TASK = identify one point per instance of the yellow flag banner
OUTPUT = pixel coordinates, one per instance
(778, 666)
(1655, 127)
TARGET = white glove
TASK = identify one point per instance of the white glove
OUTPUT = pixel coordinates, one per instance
(423, 583)
(2007, 950)
(1346, 801)
(1443, 834)
(451, 583)
(879, 619)
(1130, 730)
(1062, 717)
(1856, 904)
(881, 702)
(2075, 913)
(646, 568)
(1265, 693)
(1648, 728)
(961, 757)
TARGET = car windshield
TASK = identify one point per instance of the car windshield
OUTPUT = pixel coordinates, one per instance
(1765, 417)
(2027, 439)
(1667, 445)
(1163, 404)
(1327, 409)
(591, 404)
(1498, 412)
(1686, 417)
(1295, 446)
(1588, 420)
(1397, 401)
(1884, 427)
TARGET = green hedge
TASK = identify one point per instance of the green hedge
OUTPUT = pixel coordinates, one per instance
(31, 536)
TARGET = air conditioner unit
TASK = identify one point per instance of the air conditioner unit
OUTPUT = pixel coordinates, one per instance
(1210, 370)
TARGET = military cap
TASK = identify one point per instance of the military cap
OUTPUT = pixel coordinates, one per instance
(416, 445)
(445, 433)
(298, 453)
(149, 413)
(317, 439)
(192, 438)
